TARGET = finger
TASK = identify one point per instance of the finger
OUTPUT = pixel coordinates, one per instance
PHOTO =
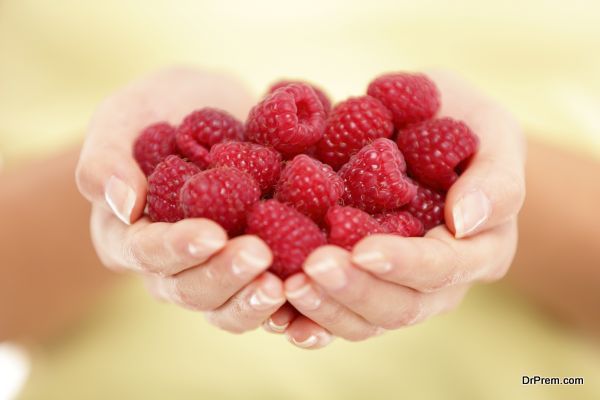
(251, 307)
(307, 334)
(281, 319)
(438, 260)
(211, 284)
(381, 303)
(492, 188)
(160, 248)
(325, 311)
(107, 173)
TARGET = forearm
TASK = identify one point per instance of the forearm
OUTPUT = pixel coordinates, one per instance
(48, 266)
(558, 262)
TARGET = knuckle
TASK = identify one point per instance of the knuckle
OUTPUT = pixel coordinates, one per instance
(513, 187)
(359, 335)
(136, 258)
(229, 321)
(356, 295)
(449, 263)
(189, 296)
(217, 320)
(405, 317)
(333, 316)
(448, 277)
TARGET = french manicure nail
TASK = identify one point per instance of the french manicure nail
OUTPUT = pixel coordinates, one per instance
(248, 262)
(203, 247)
(471, 212)
(374, 261)
(277, 328)
(324, 339)
(263, 301)
(306, 343)
(305, 297)
(120, 198)
(328, 273)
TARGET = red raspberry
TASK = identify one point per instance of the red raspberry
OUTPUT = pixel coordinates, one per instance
(437, 151)
(410, 97)
(221, 194)
(375, 178)
(153, 145)
(323, 98)
(291, 119)
(351, 125)
(427, 206)
(310, 186)
(203, 128)
(348, 225)
(290, 235)
(262, 163)
(163, 188)
(400, 223)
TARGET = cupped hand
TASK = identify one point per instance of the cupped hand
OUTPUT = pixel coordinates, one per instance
(388, 282)
(190, 263)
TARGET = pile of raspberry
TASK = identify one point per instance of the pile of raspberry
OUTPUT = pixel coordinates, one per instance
(300, 173)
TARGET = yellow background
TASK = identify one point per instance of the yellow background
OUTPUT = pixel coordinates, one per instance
(540, 58)
(59, 58)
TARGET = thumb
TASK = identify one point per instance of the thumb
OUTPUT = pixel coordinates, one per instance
(492, 189)
(107, 174)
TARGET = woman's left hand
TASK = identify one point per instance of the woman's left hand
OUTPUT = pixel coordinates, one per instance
(388, 282)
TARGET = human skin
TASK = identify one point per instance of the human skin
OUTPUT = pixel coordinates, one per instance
(191, 262)
(43, 290)
(49, 272)
(386, 282)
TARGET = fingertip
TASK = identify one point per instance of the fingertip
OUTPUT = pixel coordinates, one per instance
(113, 181)
(250, 255)
(485, 196)
(324, 257)
(268, 294)
(199, 238)
(469, 213)
(273, 327)
(370, 253)
(272, 284)
(121, 199)
(306, 334)
(257, 247)
(295, 283)
(281, 319)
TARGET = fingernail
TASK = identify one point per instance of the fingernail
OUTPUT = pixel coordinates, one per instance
(374, 261)
(203, 247)
(249, 261)
(471, 212)
(267, 296)
(275, 327)
(322, 339)
(328, 273)
(120, 198)
(302, 293)
(306, 343)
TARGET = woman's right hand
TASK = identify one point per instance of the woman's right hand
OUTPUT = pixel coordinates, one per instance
(191, 262)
